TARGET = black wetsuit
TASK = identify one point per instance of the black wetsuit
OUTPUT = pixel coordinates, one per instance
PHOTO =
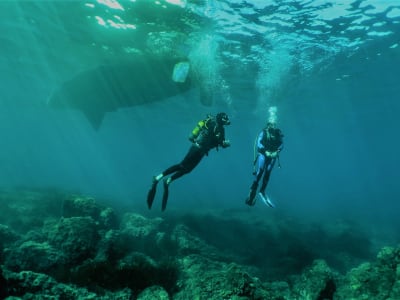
(209, 138)
(211, 134)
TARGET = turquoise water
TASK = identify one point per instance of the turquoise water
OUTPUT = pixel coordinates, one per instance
(331, 69)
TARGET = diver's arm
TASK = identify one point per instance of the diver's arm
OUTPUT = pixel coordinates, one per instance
(260, 146)
(224, 142)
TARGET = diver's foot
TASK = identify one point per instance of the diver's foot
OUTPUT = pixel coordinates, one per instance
(157, 178)
(167, 181)
(266, 200)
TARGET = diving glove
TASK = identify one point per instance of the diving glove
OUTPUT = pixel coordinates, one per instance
(271, 154)
(226, 143)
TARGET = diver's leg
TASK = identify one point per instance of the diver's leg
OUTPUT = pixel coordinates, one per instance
(190, 161)
(267, 174)
(265, 181)
(260, 167)
(166, 172)
(175, 168)
(270, 164)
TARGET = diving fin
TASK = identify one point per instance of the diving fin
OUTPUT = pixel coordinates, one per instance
(151, 194)
(251, 199)
(165, 195)
(266, 200)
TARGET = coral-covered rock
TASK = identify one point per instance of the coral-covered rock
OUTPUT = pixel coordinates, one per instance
(395, 292)
(136, 272)
(108, 219)
(278, 290)
(73, 248)
(3, 285)
(109, 247)
(75, 237)
(24, 210)
(317, 282)
(34, 256)
(188, 243)
(375, 280)
(153, 293)
(80, 206)
(140, 234)
(31, 285)
(138, 226)
(7, 235)
(207, 279)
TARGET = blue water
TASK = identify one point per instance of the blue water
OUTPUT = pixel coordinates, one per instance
(331, 68)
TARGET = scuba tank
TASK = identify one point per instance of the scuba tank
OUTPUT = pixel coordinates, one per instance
(201, 125)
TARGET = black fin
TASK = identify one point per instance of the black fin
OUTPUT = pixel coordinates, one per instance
(151, 194)
(250, 202)
(165, 196)
(251, 199)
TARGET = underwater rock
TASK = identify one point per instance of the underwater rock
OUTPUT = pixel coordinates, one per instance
(208, 279)
(279, 290)
(153, 293)
(88, 255)
(36, 286)
(373, 280)
(188, 243)
(108, 219)
(34, 256)
(80, 206)
(76, 237)
(3, 285)
(25, 210)
(139, 234)
(135, 271)
(7, 235)
(138, 226)
(31, 285)
(316, 282)
(109, 248)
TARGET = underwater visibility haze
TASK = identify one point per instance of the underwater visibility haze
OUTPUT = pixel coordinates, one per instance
(98, 96)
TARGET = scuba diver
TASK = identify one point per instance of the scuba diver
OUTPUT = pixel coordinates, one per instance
(269, 143)
(208, 134)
